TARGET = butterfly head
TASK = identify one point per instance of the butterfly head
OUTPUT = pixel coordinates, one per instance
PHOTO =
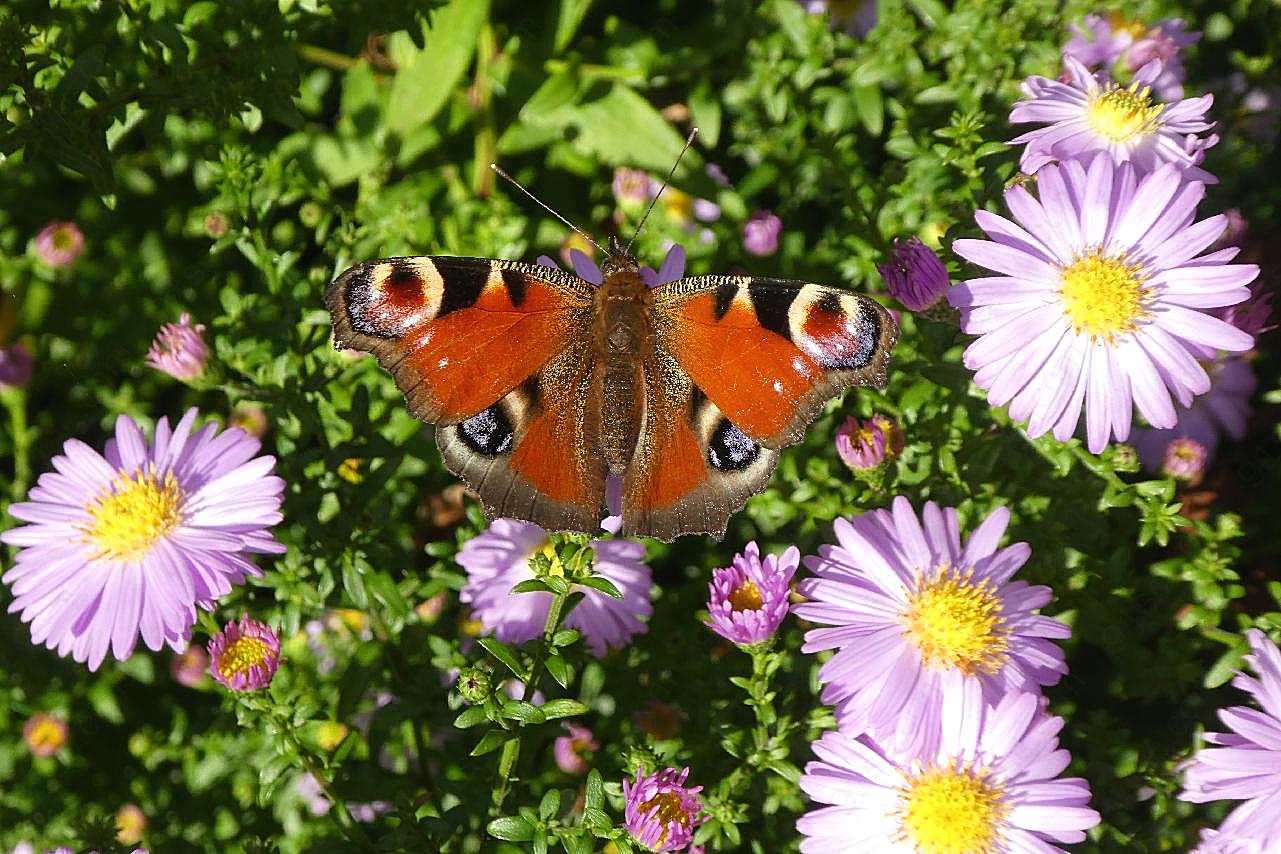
(619, 260)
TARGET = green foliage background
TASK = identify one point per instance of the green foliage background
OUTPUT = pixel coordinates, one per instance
(324, 132)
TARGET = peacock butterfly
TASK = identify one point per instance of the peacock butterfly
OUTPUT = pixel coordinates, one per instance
(541, 385)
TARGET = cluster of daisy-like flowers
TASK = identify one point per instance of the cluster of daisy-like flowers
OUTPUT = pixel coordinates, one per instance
(1110, 295)
(943, 743)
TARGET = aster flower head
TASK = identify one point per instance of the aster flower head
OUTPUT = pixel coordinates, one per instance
(190, 667)
(990, 784)
(1100, 302)
(15, 366)
(1184, 459)
(179, 349)
(1089, 113)
(245, 655)
(131, 541)
(59, 243)
(1112, 40)
(573, 749)
(131, 824)
(748, 600)
(915, 275)
(1245, 763)
(761, 232)
(866, 446)
(662, 812)
(45, 734)
(632, 187)
(915, 615)
(498, 559)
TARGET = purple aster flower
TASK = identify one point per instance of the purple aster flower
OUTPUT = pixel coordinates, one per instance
(1089, 113)
(916, 615)
(867, 445)
(179, 349)
(59, 243)
(915, 275)
(245, 655)
(747, 600)
(1184, 459)
(1222, 411)
(1100, 302)
(1107, 40)
(15, 366)
(573, 750)
(44, 734)
(632, 186)
(498, 559)
(662, 812)
(760, 233)
(134, 540)
(990, 784)
(855, 17)
(1252, 316)
(1245, 764)
(190, 666)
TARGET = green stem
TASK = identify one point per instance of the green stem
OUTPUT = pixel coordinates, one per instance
(485, 147)
(327, 58)
(16, 402)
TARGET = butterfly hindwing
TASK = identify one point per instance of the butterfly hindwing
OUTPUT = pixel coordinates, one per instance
(769, 353)
(457, 333)
(692, 468)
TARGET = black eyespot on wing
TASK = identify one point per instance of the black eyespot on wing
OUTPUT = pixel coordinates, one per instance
(869, 332)
(771, 303)
(462, 283)
(730, 448)
(358, 299)
(489, 433)
(516, 283)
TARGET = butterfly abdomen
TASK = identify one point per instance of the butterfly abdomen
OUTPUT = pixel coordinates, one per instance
(621, 336)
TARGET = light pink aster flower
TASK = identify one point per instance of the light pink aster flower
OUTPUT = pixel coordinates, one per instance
(915, 615)
(1217, 842)
(748, 600)
(1107, 40)
(134, 540)
(915, 275)
(1088, 113)
(1245, 764)
(179, 349)
(1184, 460)
(498, 559)
(1100, 302)
(662, 812)
(574, 749)
(45, 734)
(245, 655)
(990, 784)
(1223, 411)
(59, 243)
(190, 667)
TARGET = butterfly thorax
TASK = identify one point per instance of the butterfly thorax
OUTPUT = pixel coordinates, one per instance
(622, 338)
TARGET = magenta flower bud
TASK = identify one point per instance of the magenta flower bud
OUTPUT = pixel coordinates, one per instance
(915, 275)
(573, 750)
(59, 243)
(15, 366)
(245, 655)
(190, 666)
(179, 349)
(1184, 460)
(760, 233)
(662, 812)
(748, 600)
(866, 445)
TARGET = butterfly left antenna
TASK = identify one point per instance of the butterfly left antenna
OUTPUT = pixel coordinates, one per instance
(548, 208)
(689, 140)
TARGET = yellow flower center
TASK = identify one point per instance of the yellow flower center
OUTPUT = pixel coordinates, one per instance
(746, 597)
(549, 550)
(669, 811)
(242, 654)
(1120, 23)
(679, 205)
(952, 811)
(957, 623)
(1120, 114)
(64, 238)
(130, 515)
(47, 736)
(1103, 296)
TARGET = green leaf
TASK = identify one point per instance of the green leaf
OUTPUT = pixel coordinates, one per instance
(425, 78)
(871, 109)
(354, 584)
(510, 828)
(526, 713)
(504, 654)
(624, 128)
(603, 584)
(491, 741)
(565, 637)
(560, 670)
(563, 708)
(569, 18)
(549, 805)
(531, 585)
(594, 797)
(470, 717)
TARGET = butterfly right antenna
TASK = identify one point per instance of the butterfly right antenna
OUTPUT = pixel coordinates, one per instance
(688, 142)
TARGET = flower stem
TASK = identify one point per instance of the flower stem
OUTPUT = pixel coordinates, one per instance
(16, 402)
